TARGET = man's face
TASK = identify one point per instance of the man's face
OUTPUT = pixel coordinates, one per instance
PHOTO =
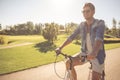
(88, 13)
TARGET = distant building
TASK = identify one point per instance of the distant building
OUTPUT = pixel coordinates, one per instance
(61, 31)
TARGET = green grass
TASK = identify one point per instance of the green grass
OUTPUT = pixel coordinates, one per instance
(12, 40)
(112, 46)
(24, 57)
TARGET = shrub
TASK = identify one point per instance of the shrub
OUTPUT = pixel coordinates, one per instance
(50, 32)
(109, 36)
(3, 39)
(111, 40)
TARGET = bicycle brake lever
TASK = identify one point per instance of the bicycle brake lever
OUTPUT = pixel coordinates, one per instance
(83, 58)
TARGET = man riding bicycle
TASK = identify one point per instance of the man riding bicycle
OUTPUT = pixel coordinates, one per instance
(92, 43)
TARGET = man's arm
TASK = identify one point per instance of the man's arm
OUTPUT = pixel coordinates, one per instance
(98, 40)
(95, 50)
(69, 40)
(58, 50)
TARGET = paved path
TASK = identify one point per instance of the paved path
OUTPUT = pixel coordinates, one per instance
(47, 72)
(16, 45)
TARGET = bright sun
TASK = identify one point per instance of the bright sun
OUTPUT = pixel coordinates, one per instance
(61, 5)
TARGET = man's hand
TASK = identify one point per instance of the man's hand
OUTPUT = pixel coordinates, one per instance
(91, 56)
(58, 51)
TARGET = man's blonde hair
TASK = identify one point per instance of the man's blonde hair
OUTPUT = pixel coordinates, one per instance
(90, 5)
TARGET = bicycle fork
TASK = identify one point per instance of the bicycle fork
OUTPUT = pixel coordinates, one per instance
(69, 75)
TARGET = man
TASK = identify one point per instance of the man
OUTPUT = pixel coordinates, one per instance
(92, 45)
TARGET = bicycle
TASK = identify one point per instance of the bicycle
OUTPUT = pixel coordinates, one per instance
(68, 74)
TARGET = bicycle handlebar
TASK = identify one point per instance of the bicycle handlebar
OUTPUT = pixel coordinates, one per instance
(65, 55)
(69, 56)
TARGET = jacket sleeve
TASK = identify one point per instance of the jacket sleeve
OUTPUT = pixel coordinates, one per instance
(75, 33)
(100, 31)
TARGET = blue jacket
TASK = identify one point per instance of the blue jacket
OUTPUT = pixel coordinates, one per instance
(96, 33)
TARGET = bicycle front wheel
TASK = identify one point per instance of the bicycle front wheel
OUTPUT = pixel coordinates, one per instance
(68, 75)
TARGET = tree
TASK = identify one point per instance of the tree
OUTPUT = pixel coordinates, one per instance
(114, 31)
(50, 32)
(30, 27)
(61, 29)
(107, 30)
(0, 27)
(119, 29)
(119, 24)
(10, 30)
(114, 23)
(70, 27)
(21, 29)
(38, 28)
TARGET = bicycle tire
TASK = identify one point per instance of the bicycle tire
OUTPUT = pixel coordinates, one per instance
(68, 75)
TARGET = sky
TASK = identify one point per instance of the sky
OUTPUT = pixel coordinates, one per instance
(59, 11)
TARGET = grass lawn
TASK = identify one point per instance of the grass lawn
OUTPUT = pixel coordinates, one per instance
(34, 55)
(12, 40)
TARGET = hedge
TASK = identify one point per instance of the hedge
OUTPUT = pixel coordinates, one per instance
(111, 40)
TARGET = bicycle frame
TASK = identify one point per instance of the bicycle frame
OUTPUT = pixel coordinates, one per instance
(68, 75)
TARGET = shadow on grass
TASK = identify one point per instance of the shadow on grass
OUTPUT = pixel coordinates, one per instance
(77, 43)
(9, 42)
(111, 41)
(45, 46)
